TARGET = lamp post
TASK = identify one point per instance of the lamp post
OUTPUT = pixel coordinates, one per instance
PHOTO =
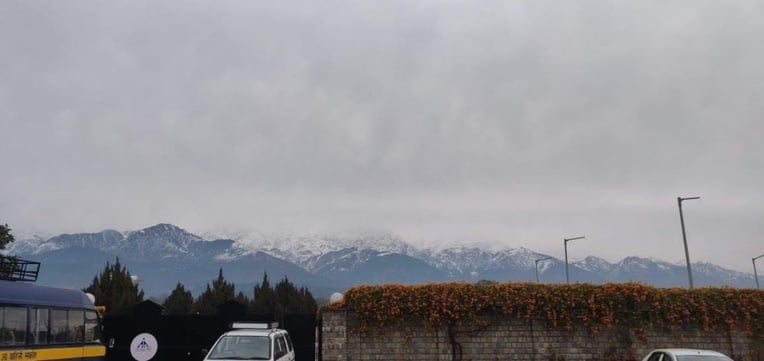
(684, 237)
(537, 266)
(566, 240)
(755, 275)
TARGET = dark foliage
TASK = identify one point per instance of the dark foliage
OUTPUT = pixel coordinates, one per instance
(115, 289)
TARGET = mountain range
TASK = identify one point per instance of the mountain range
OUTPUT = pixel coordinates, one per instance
(163, 255)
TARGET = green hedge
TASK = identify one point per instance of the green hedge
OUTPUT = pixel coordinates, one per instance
(596, 307)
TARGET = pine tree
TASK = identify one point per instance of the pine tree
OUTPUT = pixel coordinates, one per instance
(265, 298)
(115, 289)
(179, 302)
(287, 297)
(283, 298)
(242, 298)
(293, 300)
(8, 264)
(5, 236)
(310, 304)
(212, 297)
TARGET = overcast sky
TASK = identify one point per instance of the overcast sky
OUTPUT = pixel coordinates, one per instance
(515, 123)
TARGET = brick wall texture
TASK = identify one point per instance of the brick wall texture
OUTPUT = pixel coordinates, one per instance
(509, 339)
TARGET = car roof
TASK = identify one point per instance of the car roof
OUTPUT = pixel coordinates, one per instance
(689, 351)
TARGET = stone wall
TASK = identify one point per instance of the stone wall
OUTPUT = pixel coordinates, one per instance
(507, 339)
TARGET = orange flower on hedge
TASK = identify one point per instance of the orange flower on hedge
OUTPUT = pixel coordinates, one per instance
(594, 306)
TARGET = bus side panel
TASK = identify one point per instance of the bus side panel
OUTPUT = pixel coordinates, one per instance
(94, 352)
(90, 352)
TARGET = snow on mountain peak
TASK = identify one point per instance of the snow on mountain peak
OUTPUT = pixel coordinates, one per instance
(594, 264)
(301, 249)
(335, 253)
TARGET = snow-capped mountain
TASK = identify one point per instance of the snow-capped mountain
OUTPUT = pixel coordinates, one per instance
(722, 274)
(472, 262)
(594, 265)
(306, 251)
(164, 254)
(29, 244)
(174, 242)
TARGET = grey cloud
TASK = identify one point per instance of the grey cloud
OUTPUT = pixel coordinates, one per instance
(445, 119)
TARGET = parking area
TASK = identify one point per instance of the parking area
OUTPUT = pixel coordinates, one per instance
(182, 337)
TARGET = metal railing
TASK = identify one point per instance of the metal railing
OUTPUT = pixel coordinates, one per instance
(16, 269)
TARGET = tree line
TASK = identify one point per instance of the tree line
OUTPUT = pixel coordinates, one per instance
(115, 290)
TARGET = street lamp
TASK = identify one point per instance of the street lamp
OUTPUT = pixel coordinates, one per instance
(755, 275)
(684, 236)
(567, 277)
(537, 266)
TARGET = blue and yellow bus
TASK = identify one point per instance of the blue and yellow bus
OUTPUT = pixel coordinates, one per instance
(47, 323)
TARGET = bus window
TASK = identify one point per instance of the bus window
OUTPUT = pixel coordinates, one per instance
(92, 332)
(62, 331)
(38, 326)
(13, 325)
(77, 324)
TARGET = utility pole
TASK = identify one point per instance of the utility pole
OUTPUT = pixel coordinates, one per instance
(684, 237)
(755, 275)
(566, 240)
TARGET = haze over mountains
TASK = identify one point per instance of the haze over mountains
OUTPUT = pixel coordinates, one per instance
(164, 255)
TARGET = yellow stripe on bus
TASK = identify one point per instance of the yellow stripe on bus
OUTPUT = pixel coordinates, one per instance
(94, 351)
(53, 353)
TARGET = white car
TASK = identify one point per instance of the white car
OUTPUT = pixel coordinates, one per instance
(685, 354)
(252, 341)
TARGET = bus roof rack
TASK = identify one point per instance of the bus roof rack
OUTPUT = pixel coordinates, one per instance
(16, 269)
